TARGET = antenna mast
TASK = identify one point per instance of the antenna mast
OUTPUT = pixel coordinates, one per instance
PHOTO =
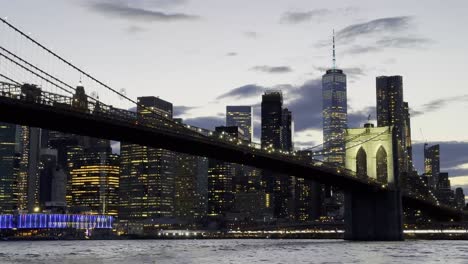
(334, 55)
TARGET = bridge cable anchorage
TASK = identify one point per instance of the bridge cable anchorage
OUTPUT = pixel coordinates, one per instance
(78, 69)
(37, 75)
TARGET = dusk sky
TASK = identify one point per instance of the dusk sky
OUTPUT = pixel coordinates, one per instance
(202, 55)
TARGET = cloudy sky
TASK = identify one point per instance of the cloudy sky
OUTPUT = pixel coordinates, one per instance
(202, 55)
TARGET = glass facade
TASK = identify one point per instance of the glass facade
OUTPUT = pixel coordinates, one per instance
(95, 183)
(432, 164)
(335, 116)
(272, 117)
(147, 175)
(9, 168)
(241, 116)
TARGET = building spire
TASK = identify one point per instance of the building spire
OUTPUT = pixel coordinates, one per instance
(334, 54)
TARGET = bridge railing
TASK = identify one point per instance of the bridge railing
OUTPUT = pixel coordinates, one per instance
(90, 105)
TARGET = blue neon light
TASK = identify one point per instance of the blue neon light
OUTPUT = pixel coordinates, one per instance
(47, 221)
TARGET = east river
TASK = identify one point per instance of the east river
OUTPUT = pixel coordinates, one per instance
(233, 251)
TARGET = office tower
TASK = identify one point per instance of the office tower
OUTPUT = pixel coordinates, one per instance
(444, 193)
(147, 176)
(9, 168)
(52, 182)
(272, 117)
(334, 113)
(188, 201)
(28, 180)
(241, 116)
(278, 186)
(95, 181)
(459, 198)
(287, 130)
(391, 112)
(407, 131)
(432, 164)
(220, 178)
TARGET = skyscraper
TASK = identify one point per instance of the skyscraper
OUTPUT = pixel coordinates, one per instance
(335, 113)
(276, 127)
(95, 182)
(220, 179)
(272, 117)
(9, 168)
(147, 174)
(287, 130)
(241, 116)
(432, 164)
(393, 111)
(459, 198)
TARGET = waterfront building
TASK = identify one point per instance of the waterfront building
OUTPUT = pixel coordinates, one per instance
(9, 168)
(220, 178)
(147, 175)
(94, 182)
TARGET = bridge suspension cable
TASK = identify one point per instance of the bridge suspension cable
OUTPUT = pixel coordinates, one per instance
(75, 67)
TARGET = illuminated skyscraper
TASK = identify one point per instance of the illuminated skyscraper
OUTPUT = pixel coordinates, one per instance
(276, 131)
(220, 179)
(95, 182)
(9, 168)
(241, 116)
(432, 164)
(335, 113)
(287, 130)
(393, 111)
(28, 180)
(147, 177)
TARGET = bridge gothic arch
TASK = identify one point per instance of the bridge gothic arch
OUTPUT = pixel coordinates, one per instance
(361, 163)
(381, 164)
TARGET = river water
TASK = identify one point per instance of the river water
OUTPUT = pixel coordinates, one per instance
(233, 251)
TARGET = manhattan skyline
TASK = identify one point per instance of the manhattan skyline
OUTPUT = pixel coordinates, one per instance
(288, 48)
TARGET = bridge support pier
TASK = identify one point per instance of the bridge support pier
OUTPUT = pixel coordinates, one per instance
(373, 216)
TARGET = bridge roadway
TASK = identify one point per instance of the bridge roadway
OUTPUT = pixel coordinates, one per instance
(54, 112)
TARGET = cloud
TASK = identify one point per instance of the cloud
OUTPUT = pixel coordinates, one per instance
(272, 69)
(377, 26)
(206, 122)
(251, 34)
(137, 13)
(316, 15)
(231, 54)
(352, 72)
(438, 104)
(357, 118)
(299, 17)
(389, 42)
(182, 110)
(248, 90)
(403, 42)
(135, 29)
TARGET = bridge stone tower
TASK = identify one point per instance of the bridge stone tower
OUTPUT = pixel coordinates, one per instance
(373, 215)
